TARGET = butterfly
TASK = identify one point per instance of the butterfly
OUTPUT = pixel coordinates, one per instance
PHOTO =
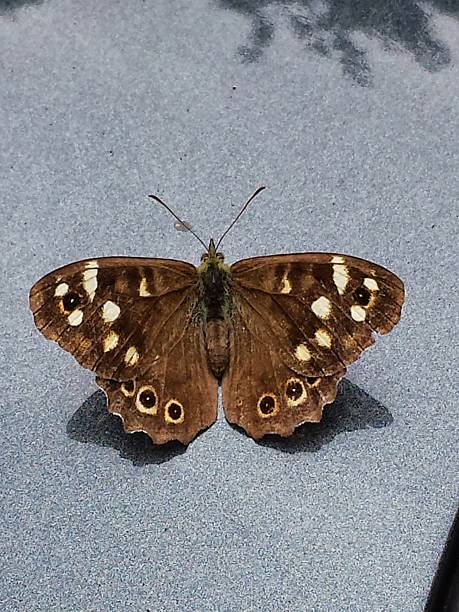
(277, 332)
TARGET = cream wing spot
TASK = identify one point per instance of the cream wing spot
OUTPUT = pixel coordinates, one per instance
(340, 277)
(110, 311)
(61, 290)
(286, 285)
(358, 313)
(90, 280)
(323, 338)
(75, 318)
(337, 259)
(143, 288)
(371, 284)
(302, 353)
(132, 356)
(110, 341)
(321, 307)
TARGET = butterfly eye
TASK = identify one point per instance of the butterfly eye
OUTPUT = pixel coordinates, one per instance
(174, 412)
(362, 296)
(204, 257)
(267, 406)
(220, 256)
(71, 301)
(146, 401)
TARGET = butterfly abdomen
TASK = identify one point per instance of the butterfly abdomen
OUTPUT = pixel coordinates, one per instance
(215, 304)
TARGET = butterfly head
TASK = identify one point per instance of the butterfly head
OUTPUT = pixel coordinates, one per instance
(212, 257)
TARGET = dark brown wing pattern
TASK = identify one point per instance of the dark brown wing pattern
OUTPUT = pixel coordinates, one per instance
(299, 320)
(175, 399)
(130, 321)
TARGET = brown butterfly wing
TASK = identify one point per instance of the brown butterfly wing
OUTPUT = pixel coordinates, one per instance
(175, 399)
(131, 319)
(301, 316)
(270, 397)
(112, 313)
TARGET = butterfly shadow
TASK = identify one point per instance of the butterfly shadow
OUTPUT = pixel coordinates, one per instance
(352, 409)
(92, 423)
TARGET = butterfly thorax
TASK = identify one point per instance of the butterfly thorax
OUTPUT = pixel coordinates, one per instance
(215, 306)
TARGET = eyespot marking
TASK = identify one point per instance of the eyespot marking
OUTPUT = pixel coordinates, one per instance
(110, 341)
(358, 313)
(174, 412)
(295, 391)
(61, 290)
(128, 388)
(71, 301)
(146, 400)
(362, 296)
(110, 311)
(340, 277)
(267, 405)
(371, 284)
(302, 352)
(143, 289)
(323, 337)
(132, 356)
(75, 318)
(321, 307)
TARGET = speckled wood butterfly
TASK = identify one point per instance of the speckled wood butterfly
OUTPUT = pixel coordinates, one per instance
(276, 332)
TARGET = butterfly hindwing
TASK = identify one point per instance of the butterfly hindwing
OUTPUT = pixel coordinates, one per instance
(271, 398)
(175, 399)
(110, 313)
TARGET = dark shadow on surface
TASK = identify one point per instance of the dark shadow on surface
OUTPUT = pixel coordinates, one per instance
(326, 28)
(94, 424)
(8, 6)
(353, 409)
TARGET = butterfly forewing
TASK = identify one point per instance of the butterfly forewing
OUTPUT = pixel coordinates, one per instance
(321, 309)
(99, 310)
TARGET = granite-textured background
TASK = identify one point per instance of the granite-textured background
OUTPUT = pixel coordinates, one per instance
(348, 112)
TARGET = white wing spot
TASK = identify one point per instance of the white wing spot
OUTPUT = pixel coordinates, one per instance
(132, 356)
(340, 277)
(371, 284)
(110, 311)
(323, 338)
(302, 353)
(337, 259)
(90, 282)
(358, 313)
(143, 289)
(75, 318)
(61, 290)
(110, 341)
(286, 284)
(321, 307)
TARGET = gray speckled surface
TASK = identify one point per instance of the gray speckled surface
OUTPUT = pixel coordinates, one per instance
(348, 113)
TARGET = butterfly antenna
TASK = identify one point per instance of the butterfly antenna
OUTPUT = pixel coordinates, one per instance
(254, 195)
(185, 225)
